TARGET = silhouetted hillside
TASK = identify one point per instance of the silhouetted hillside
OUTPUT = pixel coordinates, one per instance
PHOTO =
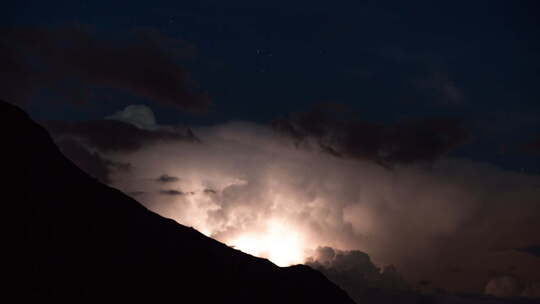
(84, 240)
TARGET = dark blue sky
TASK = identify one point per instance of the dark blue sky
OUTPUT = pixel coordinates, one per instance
(386, 60)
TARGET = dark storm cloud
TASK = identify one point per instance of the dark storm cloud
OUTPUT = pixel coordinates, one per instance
(65, 58)
(401, 143)
(111, 135)
(165, 178)
(86, 143)
(171, 192)
(355, 272)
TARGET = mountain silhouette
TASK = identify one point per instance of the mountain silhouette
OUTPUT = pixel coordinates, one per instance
(78, 240)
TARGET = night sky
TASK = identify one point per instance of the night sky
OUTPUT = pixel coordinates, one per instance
(387, 61)
(455, 80)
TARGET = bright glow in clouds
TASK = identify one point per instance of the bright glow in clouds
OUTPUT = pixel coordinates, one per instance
(246, 187)
(280, 244)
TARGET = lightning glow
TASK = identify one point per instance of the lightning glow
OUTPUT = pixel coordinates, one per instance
(279, 243)
(247, 189)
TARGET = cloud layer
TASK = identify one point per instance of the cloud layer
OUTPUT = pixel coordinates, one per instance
(405, 142)
(455, 222)
(71, 59)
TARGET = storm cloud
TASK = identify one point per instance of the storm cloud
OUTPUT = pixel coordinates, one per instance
(86, 142)
(165, 178)
(253, 188)
(65, 58)
(405, 142)
(112, 135)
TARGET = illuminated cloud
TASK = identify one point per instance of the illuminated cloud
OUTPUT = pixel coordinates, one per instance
(251, 189)
(140, 116)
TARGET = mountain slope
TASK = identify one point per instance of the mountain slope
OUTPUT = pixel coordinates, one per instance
(83, 240)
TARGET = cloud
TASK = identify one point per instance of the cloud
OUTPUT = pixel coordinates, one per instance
(405, 142)
(164, 178)
(250, 188)
(112, 135)
(124, 131)
(71, 59)
(86, 142)
(90, 161)
(171, 192)
(140, 116)
(428, 221)
(355, 272)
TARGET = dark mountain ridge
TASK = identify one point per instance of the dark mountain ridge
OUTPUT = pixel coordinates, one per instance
(82, 240)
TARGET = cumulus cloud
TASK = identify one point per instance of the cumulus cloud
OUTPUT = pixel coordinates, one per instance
(355, 272)
(71, 59)
(140, 116)
(453, 223)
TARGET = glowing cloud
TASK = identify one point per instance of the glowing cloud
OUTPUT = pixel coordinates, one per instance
(279, 243)
(244, 186)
